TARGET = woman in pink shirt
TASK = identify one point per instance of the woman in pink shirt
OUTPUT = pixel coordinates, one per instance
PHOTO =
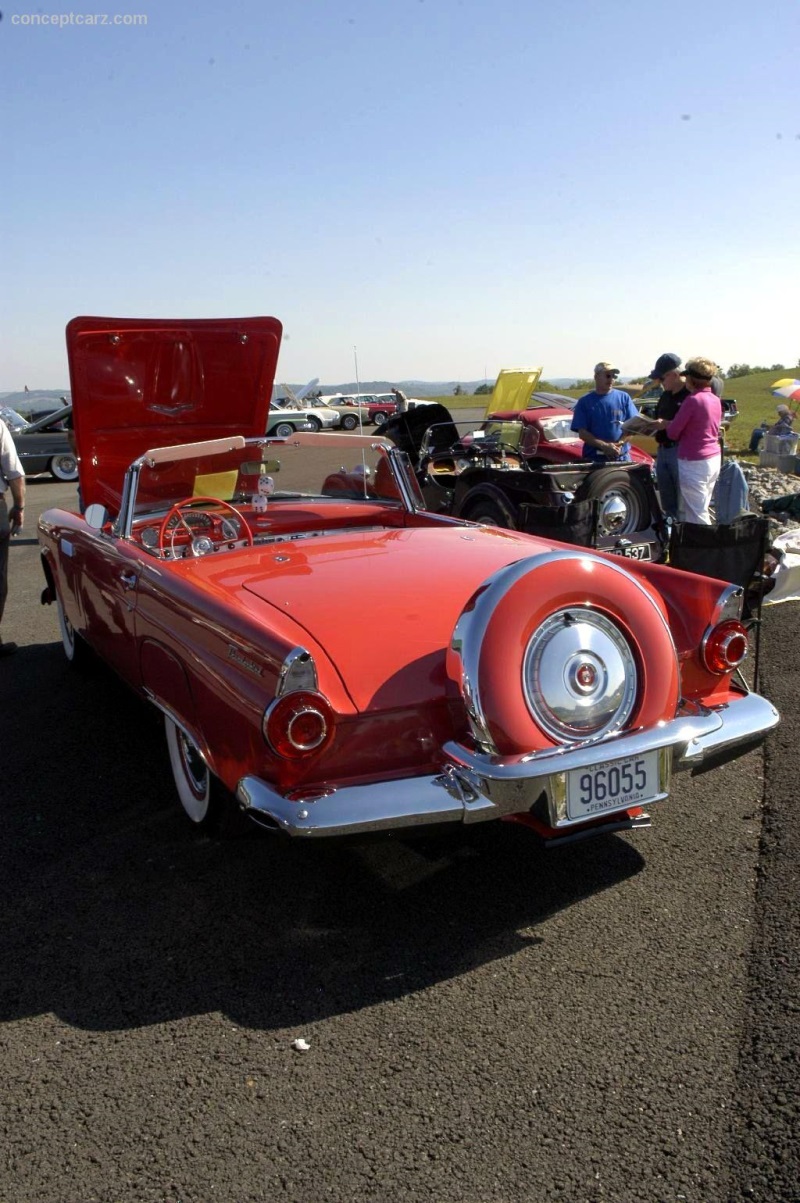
(695, 428)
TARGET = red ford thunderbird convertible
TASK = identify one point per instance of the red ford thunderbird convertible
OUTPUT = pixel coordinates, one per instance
(216, 570)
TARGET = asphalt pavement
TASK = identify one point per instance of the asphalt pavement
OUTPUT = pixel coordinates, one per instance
(487, 1022)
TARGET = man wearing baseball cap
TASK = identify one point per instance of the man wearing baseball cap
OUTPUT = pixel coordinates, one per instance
(669, 375)
(598, 417)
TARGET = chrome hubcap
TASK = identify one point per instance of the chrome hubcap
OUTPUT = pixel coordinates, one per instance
(614, 514)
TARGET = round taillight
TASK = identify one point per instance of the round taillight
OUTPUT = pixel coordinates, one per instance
(298, 724)
(726, 646)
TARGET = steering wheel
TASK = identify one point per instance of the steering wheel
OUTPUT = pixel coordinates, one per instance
(175, 513)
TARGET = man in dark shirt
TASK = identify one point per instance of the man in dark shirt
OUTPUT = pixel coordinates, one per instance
(668, 374)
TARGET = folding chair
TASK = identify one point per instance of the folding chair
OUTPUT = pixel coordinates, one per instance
(731, 552)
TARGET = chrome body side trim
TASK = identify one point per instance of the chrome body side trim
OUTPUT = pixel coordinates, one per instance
(474, 786)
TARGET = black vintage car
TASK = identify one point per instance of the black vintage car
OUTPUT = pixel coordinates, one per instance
(44, 446)
(492, 475)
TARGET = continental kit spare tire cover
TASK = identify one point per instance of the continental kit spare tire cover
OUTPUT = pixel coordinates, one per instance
(561, 648)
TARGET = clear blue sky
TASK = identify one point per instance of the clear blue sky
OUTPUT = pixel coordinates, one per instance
(450, 186)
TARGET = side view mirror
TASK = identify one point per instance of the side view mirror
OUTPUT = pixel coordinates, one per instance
(96, 516)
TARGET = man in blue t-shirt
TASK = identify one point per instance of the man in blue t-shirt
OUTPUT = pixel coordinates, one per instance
(598, 417)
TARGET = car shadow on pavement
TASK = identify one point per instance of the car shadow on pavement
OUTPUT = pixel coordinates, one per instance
(118, 914)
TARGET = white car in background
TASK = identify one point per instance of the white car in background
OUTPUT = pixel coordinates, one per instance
(315, 412)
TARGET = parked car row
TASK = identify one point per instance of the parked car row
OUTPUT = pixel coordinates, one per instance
(43, 446)
(374, 408)
(285, 417)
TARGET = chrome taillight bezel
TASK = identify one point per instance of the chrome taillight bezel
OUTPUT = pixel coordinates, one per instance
(282, 716)
(717, 649)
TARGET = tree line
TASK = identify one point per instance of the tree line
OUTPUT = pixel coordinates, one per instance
(733, 372)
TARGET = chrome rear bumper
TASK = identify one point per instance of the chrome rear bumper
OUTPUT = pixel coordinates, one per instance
(473, 787)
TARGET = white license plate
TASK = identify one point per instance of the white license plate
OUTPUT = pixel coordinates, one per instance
(613, 785)
(636, 551)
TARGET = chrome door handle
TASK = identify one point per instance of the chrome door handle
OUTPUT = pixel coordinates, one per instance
(128, 580)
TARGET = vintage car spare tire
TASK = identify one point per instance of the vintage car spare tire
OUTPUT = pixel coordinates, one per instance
(561, 648)
(623, 504)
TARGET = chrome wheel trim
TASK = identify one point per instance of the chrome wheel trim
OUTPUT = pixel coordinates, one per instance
(619, 512)
(64, 467)
(613, 516)
(68, 636)
(190, 772)
(579, 676)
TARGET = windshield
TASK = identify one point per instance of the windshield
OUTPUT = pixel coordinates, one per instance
(558, 429)
(14, 421)
(317, 467)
